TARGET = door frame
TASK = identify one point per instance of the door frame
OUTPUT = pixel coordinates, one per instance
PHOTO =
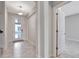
(54, 8)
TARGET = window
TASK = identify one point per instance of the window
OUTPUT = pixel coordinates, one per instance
(18, 31)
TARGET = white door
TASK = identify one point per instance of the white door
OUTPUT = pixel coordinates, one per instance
(61, 31)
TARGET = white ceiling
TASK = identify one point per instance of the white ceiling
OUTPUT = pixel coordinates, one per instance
(13, 6)
(71, 8)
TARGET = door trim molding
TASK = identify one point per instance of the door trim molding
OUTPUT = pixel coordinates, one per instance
(54, 8)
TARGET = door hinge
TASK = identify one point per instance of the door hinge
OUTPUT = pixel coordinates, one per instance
(56, 13)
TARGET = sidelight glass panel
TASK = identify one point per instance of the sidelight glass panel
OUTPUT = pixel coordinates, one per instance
(18, 31)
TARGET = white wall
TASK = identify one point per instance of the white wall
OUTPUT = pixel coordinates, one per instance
(10, 28)
(53, 34)
(47, 30)
(6, 18)
(40, 29)
(52, 30)
(72, 27)
(32, 29)
(44, 29)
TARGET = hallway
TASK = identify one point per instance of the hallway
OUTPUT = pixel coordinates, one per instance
(21, 49)
(20, 29)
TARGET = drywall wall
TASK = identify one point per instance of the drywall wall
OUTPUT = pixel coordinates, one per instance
(44, 30)
(32, 29)
(69, 7)
(47, 30)
(72, 27)
(6, 18)
(40, 29)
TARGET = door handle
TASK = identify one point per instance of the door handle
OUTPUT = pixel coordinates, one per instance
(57, 48)
(1, 31)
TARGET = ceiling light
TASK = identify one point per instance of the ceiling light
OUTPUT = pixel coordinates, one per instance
(20, 13)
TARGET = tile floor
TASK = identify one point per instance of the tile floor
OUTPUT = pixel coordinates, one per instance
(71, 50)
(26, 50)
(21, 50)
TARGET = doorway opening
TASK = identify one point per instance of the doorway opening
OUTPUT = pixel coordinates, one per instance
(67, 30)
